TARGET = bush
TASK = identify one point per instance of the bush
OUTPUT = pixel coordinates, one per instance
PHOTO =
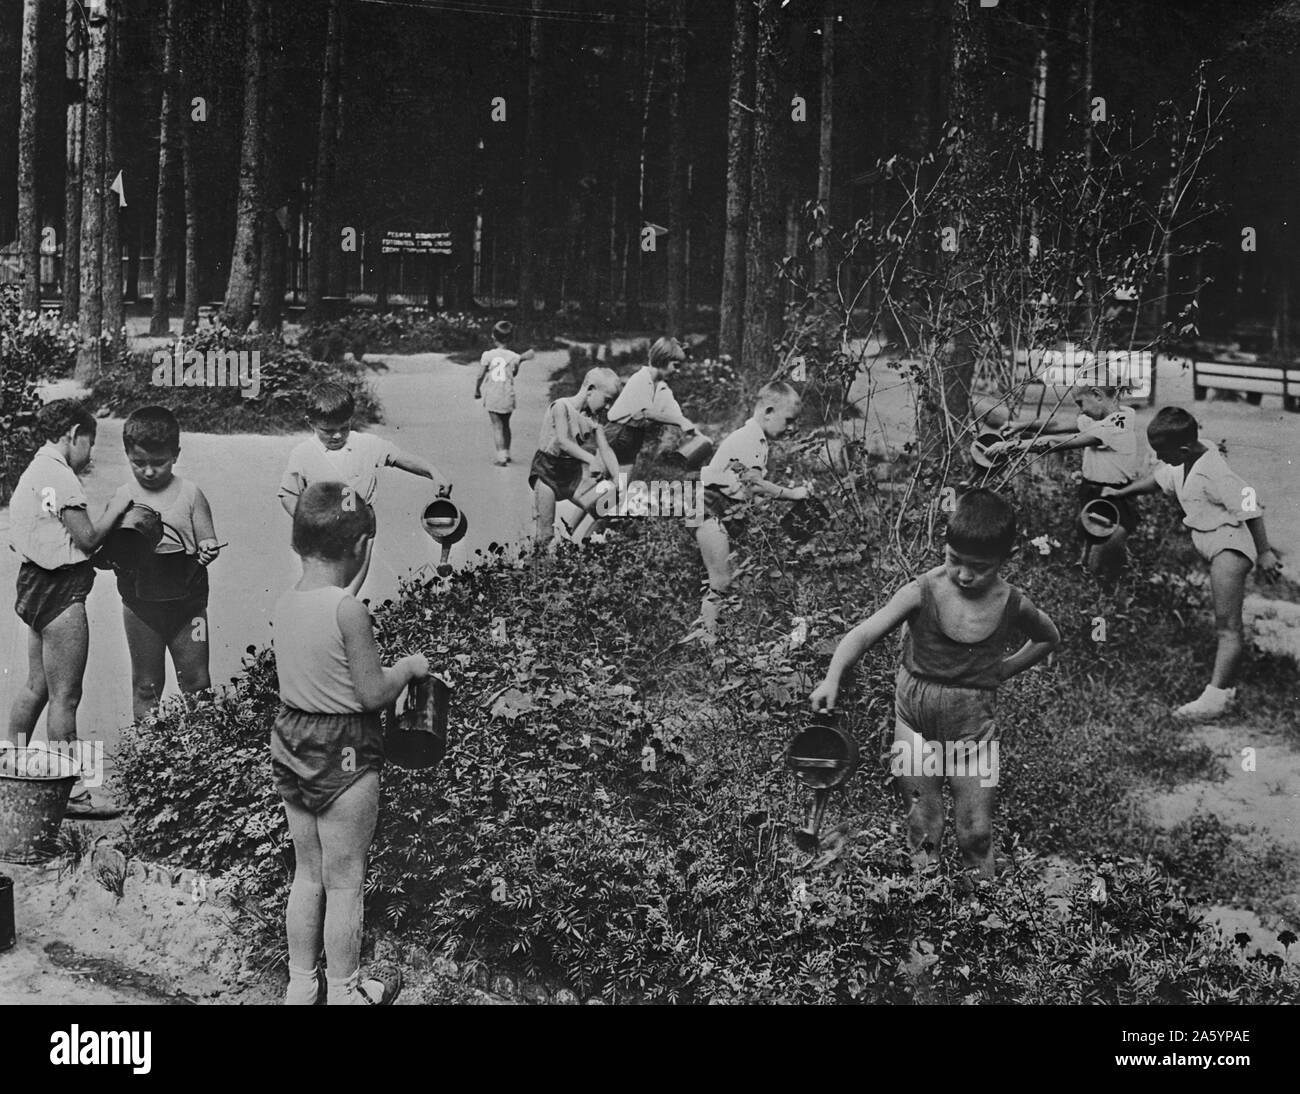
(285, 375)
(414, 330)
(32, 349)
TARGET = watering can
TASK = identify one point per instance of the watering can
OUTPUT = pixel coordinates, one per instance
(133, 540)
(692, 454)
(980, 446)
(822, 756)
(1099, 518)
(417, 738)
(446, 525)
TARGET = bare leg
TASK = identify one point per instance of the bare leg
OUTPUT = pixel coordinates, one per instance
(922, 797)
(544, 498)
(715, 550)
(305, 915)
(973, 805)
(65, 643)
(148, 663)
(31, 700)
(189, 650)
(346, 829)
(1227, 585)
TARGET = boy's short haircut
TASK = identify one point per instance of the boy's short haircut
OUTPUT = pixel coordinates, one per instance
(665, 351)
(329, 519)
(605, 378)
(1174, 425)
(55, 418)
(776, 393)
(153, 428)
(984, 523)
(330, 402)
(503, 330)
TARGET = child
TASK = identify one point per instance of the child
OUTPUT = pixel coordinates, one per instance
(165, 601)
(731, 478)
(52, 531)
(1105, 431)
(556, 471)
(644, 401)
(1216, 505)
(327, 744)
(496, 386)
(959, 617)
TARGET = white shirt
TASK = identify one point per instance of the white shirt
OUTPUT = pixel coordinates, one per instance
(641, 393)
(44, 491)
(1114, 461)
(747, 446)
(356, 464)
(1211, 495)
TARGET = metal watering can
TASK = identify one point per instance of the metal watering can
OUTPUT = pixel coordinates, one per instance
(417, 738)
(445, 523)
(133, 540)
(822, 756)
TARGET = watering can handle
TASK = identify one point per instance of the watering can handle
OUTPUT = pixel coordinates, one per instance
(444, 491)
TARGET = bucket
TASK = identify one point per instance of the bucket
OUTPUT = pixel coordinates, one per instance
(7, 933)
(444, 521)
(34, 789)
(133, 540)
(979, 449)
(823, 755)
(1099, 518)
(692, 454)
(804, 519)
(418, 737)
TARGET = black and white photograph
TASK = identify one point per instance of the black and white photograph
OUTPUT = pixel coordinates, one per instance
(651, 502)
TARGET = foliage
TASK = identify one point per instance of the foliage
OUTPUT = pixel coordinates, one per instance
(286, 373)
(414, 330)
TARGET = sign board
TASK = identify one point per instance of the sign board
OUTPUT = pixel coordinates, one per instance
(416, 243)
(1132, 370)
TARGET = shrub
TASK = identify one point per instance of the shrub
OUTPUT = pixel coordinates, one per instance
(286, 374)
(413, 330)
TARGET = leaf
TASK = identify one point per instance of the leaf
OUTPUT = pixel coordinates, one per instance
(512, 703)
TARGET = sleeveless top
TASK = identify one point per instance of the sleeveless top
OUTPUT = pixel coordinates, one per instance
(177, 515)
(310, 658)
(929, 654)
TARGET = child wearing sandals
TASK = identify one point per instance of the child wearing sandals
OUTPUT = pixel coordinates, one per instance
(165, 601)
(327, 744)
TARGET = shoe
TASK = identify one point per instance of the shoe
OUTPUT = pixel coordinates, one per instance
(501, 461)
(85, 806)
(1211, 703)
(380, 987)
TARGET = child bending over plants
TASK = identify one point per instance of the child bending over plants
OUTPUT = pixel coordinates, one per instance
(960, 619)
(327, 746)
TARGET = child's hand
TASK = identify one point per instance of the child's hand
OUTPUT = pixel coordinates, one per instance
(824, 695)
(799, 493)
(1269, 564)
(1110, 492)
(418, 666)
(208, 550)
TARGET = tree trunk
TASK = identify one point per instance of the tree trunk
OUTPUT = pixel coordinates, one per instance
(29, 233)
(114, 318)
(273, 246)
(75, 73)
(766, 223)
(326, 150)
(90, 318)
(243, 258)
(677, 209)
(739, 149)
(825, 158)
(530, 179)
(190, 167)
(164, 236)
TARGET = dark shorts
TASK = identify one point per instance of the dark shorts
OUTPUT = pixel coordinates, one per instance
(731, 514)
(562, 474)
(44, 595)
(942, 712)
(316, 757)
(626, 440)
(165, 617)
(1091, 491)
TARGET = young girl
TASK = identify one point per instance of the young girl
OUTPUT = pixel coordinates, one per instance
(496, 386)
(327, 745)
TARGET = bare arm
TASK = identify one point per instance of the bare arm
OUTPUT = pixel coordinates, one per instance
(416, 466)
(606, 454)
(88, 534)
(861, 638)
(1043, 638)
(377, 687)
(1144, 485)
(478, 382)
(772, 490)
(204, 529)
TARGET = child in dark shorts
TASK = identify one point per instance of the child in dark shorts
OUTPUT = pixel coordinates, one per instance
(165, 600)
(327, 745)
(557, 468)
(960, 617)
(52, 531)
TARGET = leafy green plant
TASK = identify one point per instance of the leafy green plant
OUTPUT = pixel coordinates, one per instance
(413, 330)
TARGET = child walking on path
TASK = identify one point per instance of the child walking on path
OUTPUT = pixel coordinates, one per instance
(165, 601)
(1227, 526)
(960, 618)
(52, 531)
(734, 475)
(495, 385)
(557, 468)
(327, 745)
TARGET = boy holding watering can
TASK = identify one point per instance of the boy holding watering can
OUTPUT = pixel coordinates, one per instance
(961, 617)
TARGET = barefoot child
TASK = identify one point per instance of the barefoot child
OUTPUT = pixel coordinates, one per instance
(165, 601)
(731, 478)
(327, 744)
(1227, 528)
(496, 386)
(557, 467)
(960, 618)
(51, 530)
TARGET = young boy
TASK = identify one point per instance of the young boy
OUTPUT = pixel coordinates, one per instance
(646, 400)
(52, 531)
(165, 601)
(960, 618)
(557, 468)
(731, 478)
(1223, 514)
(327, 746)
(496, 385)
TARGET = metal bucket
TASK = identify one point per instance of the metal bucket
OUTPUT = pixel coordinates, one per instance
(444, 521)
(692, 454)
(418, 738)
(1099, 518)
(34, 789)
(979, 449)
(804, 519)
(133, 540)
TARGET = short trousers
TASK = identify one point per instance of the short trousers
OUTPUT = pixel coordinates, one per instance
(1128, 514)
(562, 474)
(165, 617)
(625, 440)
(1227, 537)
(310, 758)
(44, 595)
(941, 712)
(728, 512)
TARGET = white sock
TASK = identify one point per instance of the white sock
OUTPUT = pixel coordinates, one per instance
(343, 992)
(1213, 693)
(304, 987)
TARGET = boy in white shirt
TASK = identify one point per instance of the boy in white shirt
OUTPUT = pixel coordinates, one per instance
(646, 400)
(1224, 515)
(496, 385)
